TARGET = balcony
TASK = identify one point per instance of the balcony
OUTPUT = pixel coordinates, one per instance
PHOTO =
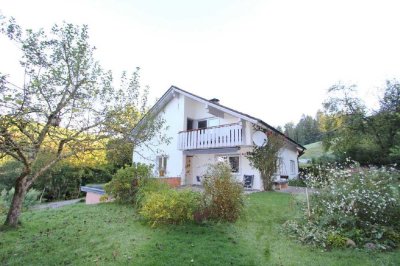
(229, 135)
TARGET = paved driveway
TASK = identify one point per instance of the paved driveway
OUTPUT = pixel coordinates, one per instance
(296, 190)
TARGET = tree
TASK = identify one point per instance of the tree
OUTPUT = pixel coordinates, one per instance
(290, 130)
(265, 159)
(351, 130)
(67, 105)
(307, 130)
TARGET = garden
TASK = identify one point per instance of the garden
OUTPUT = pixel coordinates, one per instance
(148, 223)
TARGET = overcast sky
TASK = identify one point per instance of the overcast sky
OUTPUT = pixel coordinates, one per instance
(271, 59)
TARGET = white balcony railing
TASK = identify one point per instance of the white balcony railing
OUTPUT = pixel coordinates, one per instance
(212, 137)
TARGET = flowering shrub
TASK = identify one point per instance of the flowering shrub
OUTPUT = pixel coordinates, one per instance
(360, 204)
(170, 206)
(223, 196)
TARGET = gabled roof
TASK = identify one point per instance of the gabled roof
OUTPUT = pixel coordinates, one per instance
(169, 94)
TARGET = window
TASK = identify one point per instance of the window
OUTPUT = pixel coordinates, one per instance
(189, 124)
(213, 122)
(201, 124)
(162, 165)
(233, 161)
(292, 167)
(280, 166)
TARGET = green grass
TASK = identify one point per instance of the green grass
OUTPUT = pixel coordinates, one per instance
(314, 150)
(109, 234)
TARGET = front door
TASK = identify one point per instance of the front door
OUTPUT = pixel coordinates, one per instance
(188, 171)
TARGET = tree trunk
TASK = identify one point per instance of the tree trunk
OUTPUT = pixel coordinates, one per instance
(267, 182)
(16, 205)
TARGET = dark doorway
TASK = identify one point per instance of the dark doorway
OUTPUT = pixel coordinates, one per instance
(202, 124)
(189, 124)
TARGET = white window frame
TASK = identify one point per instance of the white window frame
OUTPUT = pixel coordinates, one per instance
(162, 169)
(279, 169)
(292, 167)
(225, 158)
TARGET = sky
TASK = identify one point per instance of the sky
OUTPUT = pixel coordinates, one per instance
(274, 60)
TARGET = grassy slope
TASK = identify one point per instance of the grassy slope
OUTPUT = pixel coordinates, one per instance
(314, 150)
(108, 234)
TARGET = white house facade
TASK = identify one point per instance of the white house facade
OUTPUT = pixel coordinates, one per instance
(203, 132)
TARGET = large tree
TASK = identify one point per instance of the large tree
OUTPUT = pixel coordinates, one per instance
(66, 106)
(352, 130)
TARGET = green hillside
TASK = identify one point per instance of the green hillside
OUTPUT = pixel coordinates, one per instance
(314, 150)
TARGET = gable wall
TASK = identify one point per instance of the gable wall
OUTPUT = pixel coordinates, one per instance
(173, 114)
(196, 111)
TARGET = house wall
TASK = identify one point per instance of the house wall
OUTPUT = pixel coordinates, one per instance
(173, 114)
(200, 163)
(287, 154)
(196, 111)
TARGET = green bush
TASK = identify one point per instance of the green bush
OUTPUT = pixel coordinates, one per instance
(61, 182)
(125, 182)
(31, 199)
(362, 204)
(223, 196)
(147, 186)
(297, 182)
(170, 206)
(336, 240)
(306, 232)
(9, 171)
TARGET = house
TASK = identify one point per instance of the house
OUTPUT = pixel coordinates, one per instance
(203, 132)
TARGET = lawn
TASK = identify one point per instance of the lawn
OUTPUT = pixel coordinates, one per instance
(109, 234)
(314, 150)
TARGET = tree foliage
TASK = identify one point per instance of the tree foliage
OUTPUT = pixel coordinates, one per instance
(352, 130)
(306, 131)
(67, 105)
(265, 159)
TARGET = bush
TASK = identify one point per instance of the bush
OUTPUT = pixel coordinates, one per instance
(63, 181)
(223, 196)
(360, 204)
(124, 184)
(336, 240)
(306, 232)
(298, 182)
(31, 199)
(147, 186)
(60, 182)
(170, 206)
(9, 171)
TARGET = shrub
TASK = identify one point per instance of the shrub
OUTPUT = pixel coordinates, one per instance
(63, 181)
(124, 184)
(336, 240)
(9, 171)
(306, 232)
(360, 204)
(223, 196)
(170, 206)
(60, 182)
(31, 199)
(147, 186)
(298, 182)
